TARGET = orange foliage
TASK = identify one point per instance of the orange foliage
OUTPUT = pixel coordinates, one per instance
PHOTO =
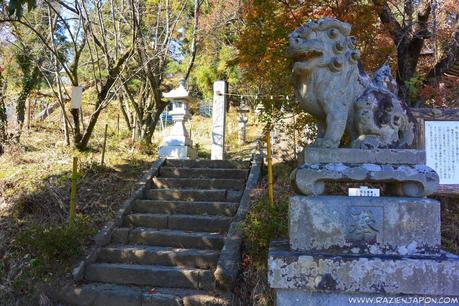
(263, 40)
(446, 94)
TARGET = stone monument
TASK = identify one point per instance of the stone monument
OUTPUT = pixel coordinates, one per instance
(219, 120)
(178, 145)
(341, 248)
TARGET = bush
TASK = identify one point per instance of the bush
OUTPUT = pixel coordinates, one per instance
(262, 225)
(56, 243)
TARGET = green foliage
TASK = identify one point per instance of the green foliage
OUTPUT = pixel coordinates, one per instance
(264, 224)
(15, 7)
(413, 85)
(202, 153)
(56, 242)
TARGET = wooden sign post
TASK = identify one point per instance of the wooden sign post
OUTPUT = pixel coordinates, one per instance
(438, 134)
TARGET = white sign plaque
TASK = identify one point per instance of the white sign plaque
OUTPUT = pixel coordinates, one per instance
(442, 149)
(363, 191)
(77, 92)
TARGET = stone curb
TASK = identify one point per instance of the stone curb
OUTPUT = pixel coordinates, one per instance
(229, 261)
(103, 237)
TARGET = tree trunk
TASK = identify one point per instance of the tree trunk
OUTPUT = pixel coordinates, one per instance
(407, 61)
(408, 38)
(124, 112)
(112, 77)
(28, 83)
(150, 126)
(3, 116)
(76, 126)
(66, 129)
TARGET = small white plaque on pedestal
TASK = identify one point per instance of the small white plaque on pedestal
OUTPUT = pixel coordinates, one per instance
(364, 191)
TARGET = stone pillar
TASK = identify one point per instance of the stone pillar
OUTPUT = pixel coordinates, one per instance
(178, 145)
(219, 120)
(242, 122)
(343, 247)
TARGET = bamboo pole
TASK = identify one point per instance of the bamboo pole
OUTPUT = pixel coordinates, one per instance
(270, 168)
(73, 191)
(104, 146)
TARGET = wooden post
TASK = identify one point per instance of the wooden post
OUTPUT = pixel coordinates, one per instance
(118, 124)
(28, 115)
(73, 192)
(270, 168)
(294, 137)
(104, 146)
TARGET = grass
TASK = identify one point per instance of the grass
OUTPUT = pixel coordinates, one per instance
(36, 245)
(263, 225)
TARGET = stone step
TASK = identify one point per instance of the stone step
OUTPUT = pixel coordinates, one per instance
(207, 163)
(168, 238)
(164, 256)
(197, 183)
(179, 222)
(150, 275)
(212, 195)
(203, 173)
(182, 207)
(100, 294)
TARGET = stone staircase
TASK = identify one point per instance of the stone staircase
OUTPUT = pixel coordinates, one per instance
(167, 249)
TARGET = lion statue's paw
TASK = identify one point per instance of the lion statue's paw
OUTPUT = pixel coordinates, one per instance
(325, 143)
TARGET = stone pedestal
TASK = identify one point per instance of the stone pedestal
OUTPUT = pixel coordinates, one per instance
(178, 145)
(302, 278)
(345, 248)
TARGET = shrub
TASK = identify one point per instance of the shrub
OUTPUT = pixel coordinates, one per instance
(262, 225)
(56, 243)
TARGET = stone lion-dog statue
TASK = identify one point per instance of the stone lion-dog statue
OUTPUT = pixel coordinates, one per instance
(331, 85)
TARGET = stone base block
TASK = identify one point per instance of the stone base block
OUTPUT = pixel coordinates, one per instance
(286, 297)
(177, 152)
(177, 140)
(389, 275)
(364, 225)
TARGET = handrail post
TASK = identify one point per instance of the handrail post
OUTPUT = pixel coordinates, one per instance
(270, 168)
(73, 191)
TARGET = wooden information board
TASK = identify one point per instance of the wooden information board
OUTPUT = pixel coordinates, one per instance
(438, 135)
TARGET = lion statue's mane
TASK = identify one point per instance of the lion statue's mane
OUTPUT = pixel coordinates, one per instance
(331, 85)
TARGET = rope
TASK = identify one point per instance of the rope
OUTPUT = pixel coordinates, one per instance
(286, 97)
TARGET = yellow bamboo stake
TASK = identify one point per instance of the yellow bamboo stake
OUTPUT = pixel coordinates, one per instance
(270, 168)
(104, 146)
(73, 191)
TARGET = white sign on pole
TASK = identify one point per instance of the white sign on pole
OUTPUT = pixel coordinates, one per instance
(77, 92)
(442, 149)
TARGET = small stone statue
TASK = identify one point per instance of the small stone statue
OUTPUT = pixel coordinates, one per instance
(331, 85)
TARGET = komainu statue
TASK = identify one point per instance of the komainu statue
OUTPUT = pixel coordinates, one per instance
(331, 85)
